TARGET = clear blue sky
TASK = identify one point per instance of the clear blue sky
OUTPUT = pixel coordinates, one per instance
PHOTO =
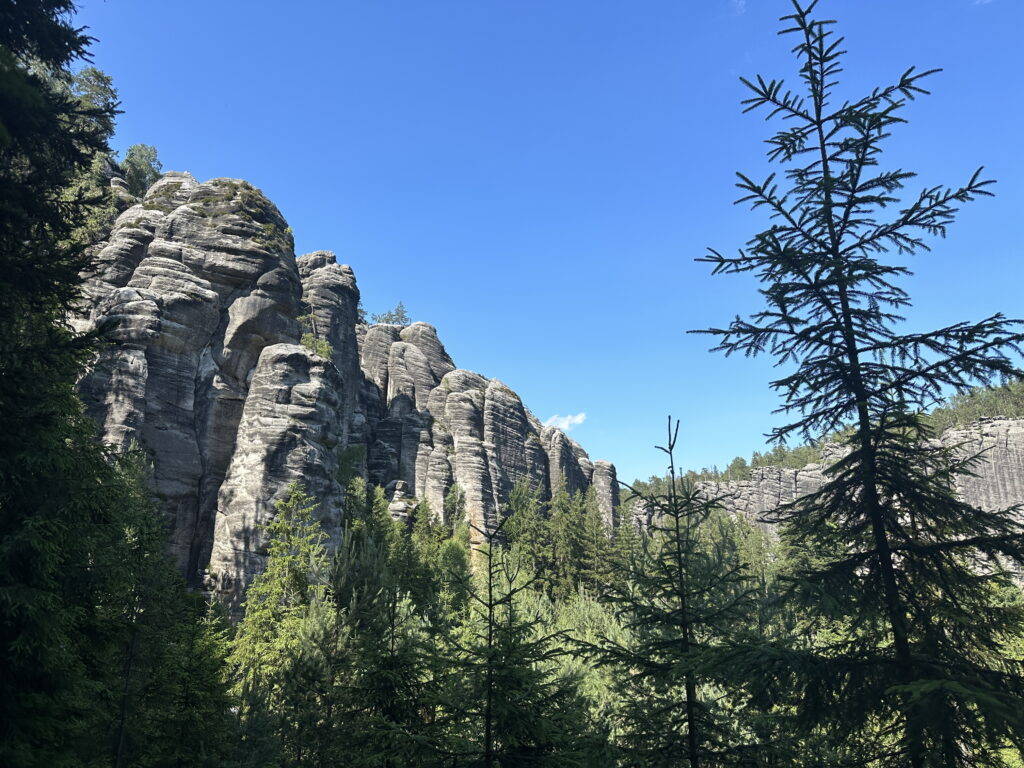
(535, 177)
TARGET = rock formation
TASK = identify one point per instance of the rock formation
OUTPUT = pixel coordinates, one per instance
(997, 482)
(203, 305)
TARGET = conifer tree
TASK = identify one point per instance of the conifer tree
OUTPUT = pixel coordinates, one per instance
(595, 545)
(454, 506)
(425, 540)
(906, 569)
(565, 541)
(141, 168)
(454, 575)
(507, 706)
(682, 597)
(275, 607)
(56, 518)
(527, 532)
(390, 669)
(193, 724)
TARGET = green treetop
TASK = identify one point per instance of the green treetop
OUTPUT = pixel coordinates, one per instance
(141, 168)
(396, 316)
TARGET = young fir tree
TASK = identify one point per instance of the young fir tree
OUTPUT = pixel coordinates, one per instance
(192, 722)
(356, 683)
(506, 705)
(682, 596)
(595, 546)
(167, 691)
(909, 571)
(566, 541)
(454, 576)
(454, 506)
(392, 664)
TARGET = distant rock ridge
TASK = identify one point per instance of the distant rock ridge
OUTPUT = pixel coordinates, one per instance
(199, 295)
(997, 482)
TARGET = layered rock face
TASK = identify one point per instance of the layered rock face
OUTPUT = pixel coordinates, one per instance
(997, 482)
(195, 281)
(203, 304)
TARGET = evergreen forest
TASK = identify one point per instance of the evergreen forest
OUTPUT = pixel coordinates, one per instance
(876, 622)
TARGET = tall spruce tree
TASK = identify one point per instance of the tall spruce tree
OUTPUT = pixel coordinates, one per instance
(911, 573)
(71, 559)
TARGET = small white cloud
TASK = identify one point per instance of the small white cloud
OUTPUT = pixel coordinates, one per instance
(565, 423)
(982, 2)
(739, 7)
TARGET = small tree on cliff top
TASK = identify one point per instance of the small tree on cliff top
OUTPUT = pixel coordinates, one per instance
(914, 573)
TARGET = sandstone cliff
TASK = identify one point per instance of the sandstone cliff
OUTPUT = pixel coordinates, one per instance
(198, 293)
(997, 482)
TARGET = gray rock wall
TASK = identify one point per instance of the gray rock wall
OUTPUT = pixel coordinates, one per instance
(198, 293)
(194, 282)
(997, 483)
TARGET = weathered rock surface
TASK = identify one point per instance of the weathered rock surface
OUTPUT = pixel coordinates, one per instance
(203, 303)
(997, 484)
(194, 282)
(290, 429)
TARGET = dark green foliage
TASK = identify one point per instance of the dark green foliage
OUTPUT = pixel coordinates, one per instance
(685, 593)
(167, 687)
(335, 660)
(1006, 400)
(275, 608)
(506, 706)
(455, 506)
(884, 629)
(903, 580)
(396, 316)
(141, 168)
(454, 563)
(192, 723)
(527, 532)
(565, 541)
(73, 552)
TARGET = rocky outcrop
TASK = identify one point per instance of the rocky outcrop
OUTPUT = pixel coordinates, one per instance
(194, 282)
(431, 426)
(203, 304)
(997, 482)
(290, 430)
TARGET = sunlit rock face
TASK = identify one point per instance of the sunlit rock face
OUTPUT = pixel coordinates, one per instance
(194, 282)
(203, 304)
(997, 482)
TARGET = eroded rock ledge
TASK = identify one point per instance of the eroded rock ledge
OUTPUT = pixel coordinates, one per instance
(198, 292)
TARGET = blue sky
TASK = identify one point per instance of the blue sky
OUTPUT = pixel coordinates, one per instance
(536, 177)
